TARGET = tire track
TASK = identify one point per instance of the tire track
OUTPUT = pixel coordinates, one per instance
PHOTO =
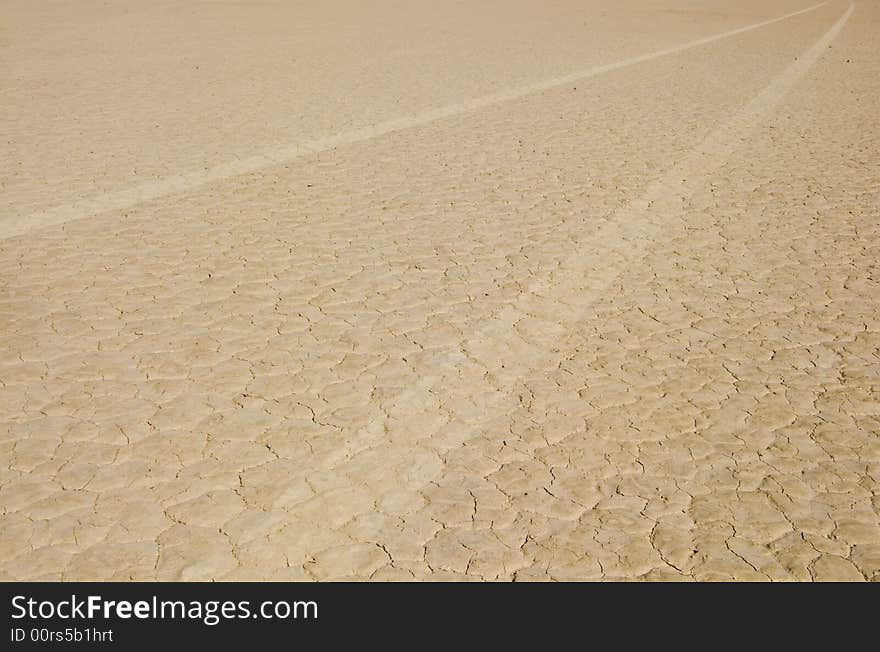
(506, 350)
(126, 198)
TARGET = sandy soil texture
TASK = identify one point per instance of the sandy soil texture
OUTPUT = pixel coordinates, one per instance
(489, 290)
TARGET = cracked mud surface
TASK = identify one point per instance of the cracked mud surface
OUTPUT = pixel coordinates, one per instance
(620, 329)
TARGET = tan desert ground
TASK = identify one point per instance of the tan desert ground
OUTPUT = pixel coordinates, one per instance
(440, 290)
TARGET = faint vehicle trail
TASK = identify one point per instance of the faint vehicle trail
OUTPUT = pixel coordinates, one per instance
(125, 198)
(506, 351)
